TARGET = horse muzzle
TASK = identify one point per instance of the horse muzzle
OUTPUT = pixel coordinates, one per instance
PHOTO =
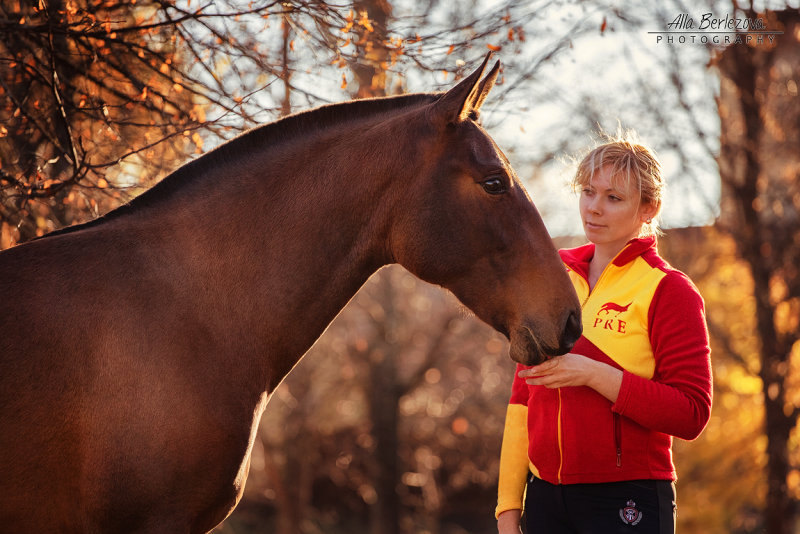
(528, 349)
(525, 348)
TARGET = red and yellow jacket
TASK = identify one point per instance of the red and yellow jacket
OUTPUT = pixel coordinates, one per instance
(642, 317)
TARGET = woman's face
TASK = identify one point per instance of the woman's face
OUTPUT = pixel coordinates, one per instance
(611, 217)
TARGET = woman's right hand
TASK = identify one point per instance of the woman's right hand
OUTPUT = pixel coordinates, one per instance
(508, 522)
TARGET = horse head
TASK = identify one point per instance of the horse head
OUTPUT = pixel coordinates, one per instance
(475, 231)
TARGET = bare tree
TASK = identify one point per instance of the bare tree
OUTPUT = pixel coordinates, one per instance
(760, 170)
(100, 99)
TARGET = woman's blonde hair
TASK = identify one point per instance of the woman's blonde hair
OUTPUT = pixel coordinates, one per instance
(633, 166)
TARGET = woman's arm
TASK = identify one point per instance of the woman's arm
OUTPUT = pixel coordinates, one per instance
(677, 400)
(514, 463)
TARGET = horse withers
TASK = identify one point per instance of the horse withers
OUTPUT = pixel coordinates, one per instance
(138, 351)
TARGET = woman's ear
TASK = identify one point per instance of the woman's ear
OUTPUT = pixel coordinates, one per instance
(648, 211)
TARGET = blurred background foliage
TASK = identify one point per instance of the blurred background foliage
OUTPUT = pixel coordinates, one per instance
(392, 422)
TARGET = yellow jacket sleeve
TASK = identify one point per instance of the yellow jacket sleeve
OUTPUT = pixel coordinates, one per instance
(514, 463)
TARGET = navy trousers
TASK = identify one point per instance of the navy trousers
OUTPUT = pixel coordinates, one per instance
(630, 507)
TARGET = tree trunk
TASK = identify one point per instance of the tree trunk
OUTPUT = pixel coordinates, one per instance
(288, 507)
(369, 71)
(385, 391)
(286, 72)
(384, 399)
(758, 143)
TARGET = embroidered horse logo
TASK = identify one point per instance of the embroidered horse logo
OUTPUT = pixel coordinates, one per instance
(609, 307)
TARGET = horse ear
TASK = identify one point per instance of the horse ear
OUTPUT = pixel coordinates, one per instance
(486, 86)
(456, 104)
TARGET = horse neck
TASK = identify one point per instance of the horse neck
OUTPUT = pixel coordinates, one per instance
(297, 230)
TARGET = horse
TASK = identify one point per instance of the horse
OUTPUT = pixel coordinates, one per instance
(138, 350)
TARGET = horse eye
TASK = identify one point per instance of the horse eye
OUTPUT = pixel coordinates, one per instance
(494, 186)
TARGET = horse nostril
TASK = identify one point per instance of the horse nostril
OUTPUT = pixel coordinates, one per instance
(572, 331)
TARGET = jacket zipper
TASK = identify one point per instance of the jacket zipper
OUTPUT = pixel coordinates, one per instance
(560, 441)
(618, 438)
(617, 427)
(599, 278)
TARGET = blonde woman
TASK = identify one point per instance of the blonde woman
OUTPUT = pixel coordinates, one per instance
(587, 446)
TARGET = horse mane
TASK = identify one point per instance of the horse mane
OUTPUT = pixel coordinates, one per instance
(271, 133)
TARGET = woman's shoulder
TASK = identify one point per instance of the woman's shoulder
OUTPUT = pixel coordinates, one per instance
(672, 274)
(676, 289)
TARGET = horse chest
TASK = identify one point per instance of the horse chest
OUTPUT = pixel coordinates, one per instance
(184, 467)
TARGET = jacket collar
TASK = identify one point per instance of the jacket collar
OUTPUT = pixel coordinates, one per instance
(578, 258)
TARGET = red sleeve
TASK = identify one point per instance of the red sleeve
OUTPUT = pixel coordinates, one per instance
(677, 401)
(519, 389)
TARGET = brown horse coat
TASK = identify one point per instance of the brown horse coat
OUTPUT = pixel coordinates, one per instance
(137, 352)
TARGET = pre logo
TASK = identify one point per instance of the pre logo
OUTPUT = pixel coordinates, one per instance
(630, 515)
(607, 317)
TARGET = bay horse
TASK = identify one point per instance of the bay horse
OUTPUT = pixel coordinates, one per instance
(138, 350)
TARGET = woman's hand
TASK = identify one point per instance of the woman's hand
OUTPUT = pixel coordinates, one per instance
(575, 370)
(508, 522)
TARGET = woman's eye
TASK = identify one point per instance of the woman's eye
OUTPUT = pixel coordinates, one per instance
(494, 186)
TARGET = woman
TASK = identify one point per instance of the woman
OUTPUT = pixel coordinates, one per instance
(588, 435)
